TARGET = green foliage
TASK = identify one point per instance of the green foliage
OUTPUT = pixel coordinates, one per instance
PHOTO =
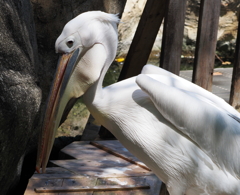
(76, 120)
(112, 74)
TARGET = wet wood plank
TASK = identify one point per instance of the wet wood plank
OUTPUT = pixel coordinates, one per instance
(171, 49)
(206, 43)
(235, 87)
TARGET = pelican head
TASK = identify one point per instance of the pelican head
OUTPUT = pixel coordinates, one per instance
(87, 46)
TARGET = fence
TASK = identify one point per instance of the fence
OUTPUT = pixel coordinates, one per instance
(173, 13)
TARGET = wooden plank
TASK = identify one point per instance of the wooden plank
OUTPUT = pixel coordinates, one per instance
(73, 182)
(113, 171)
(56, 176)
(155, 184)
(108, 170)
(80, 150)
(56, 170)
(35, 183)
(235, 87)
(171, 49)
(87, 188)
(206, 43)
(123, 181)
(122, 154)
(112, 144)
(110, 161)
(115, 148)
(163, 190)
(63, 154)
(152, 181)
(144, 37)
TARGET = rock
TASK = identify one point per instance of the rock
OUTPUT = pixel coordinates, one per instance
(27, 66)
(20, 96)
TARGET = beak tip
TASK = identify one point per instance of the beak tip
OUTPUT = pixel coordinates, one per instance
(38, 169)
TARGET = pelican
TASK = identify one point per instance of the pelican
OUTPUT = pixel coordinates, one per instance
(186, 135)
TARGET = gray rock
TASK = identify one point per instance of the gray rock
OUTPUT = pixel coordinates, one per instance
(27, 66)
(20, 97)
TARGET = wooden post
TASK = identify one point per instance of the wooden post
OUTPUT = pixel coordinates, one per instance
(206, 43)
(144, 37)
(173, 36)
(235, 87)
(163, 190)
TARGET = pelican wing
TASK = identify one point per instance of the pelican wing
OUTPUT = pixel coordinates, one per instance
(180, 83)
(198, 116)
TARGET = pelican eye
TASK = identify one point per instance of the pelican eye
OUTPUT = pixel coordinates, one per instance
(69, 43)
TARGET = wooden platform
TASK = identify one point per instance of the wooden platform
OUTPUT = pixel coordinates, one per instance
(96, 168)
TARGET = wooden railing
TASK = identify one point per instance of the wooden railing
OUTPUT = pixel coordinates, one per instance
(173, 13)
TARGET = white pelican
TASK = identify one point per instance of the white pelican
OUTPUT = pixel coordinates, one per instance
(185, 134)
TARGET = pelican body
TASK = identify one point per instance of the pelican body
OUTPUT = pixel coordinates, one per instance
(186, 135)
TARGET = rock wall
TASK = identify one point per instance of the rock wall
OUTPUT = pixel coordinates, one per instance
(27, 65)
(20, 96)
(228, 23)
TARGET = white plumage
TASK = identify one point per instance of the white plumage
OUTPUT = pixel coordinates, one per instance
(185, 134)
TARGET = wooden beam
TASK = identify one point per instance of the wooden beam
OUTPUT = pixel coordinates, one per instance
(206, 43)
(235, 87)
(87, 188)
(144, 38)
(171, 49)
(163, 190)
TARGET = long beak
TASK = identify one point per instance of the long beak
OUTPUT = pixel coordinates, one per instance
(55, 107)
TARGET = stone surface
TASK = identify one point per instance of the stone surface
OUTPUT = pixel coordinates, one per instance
(20, 96)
